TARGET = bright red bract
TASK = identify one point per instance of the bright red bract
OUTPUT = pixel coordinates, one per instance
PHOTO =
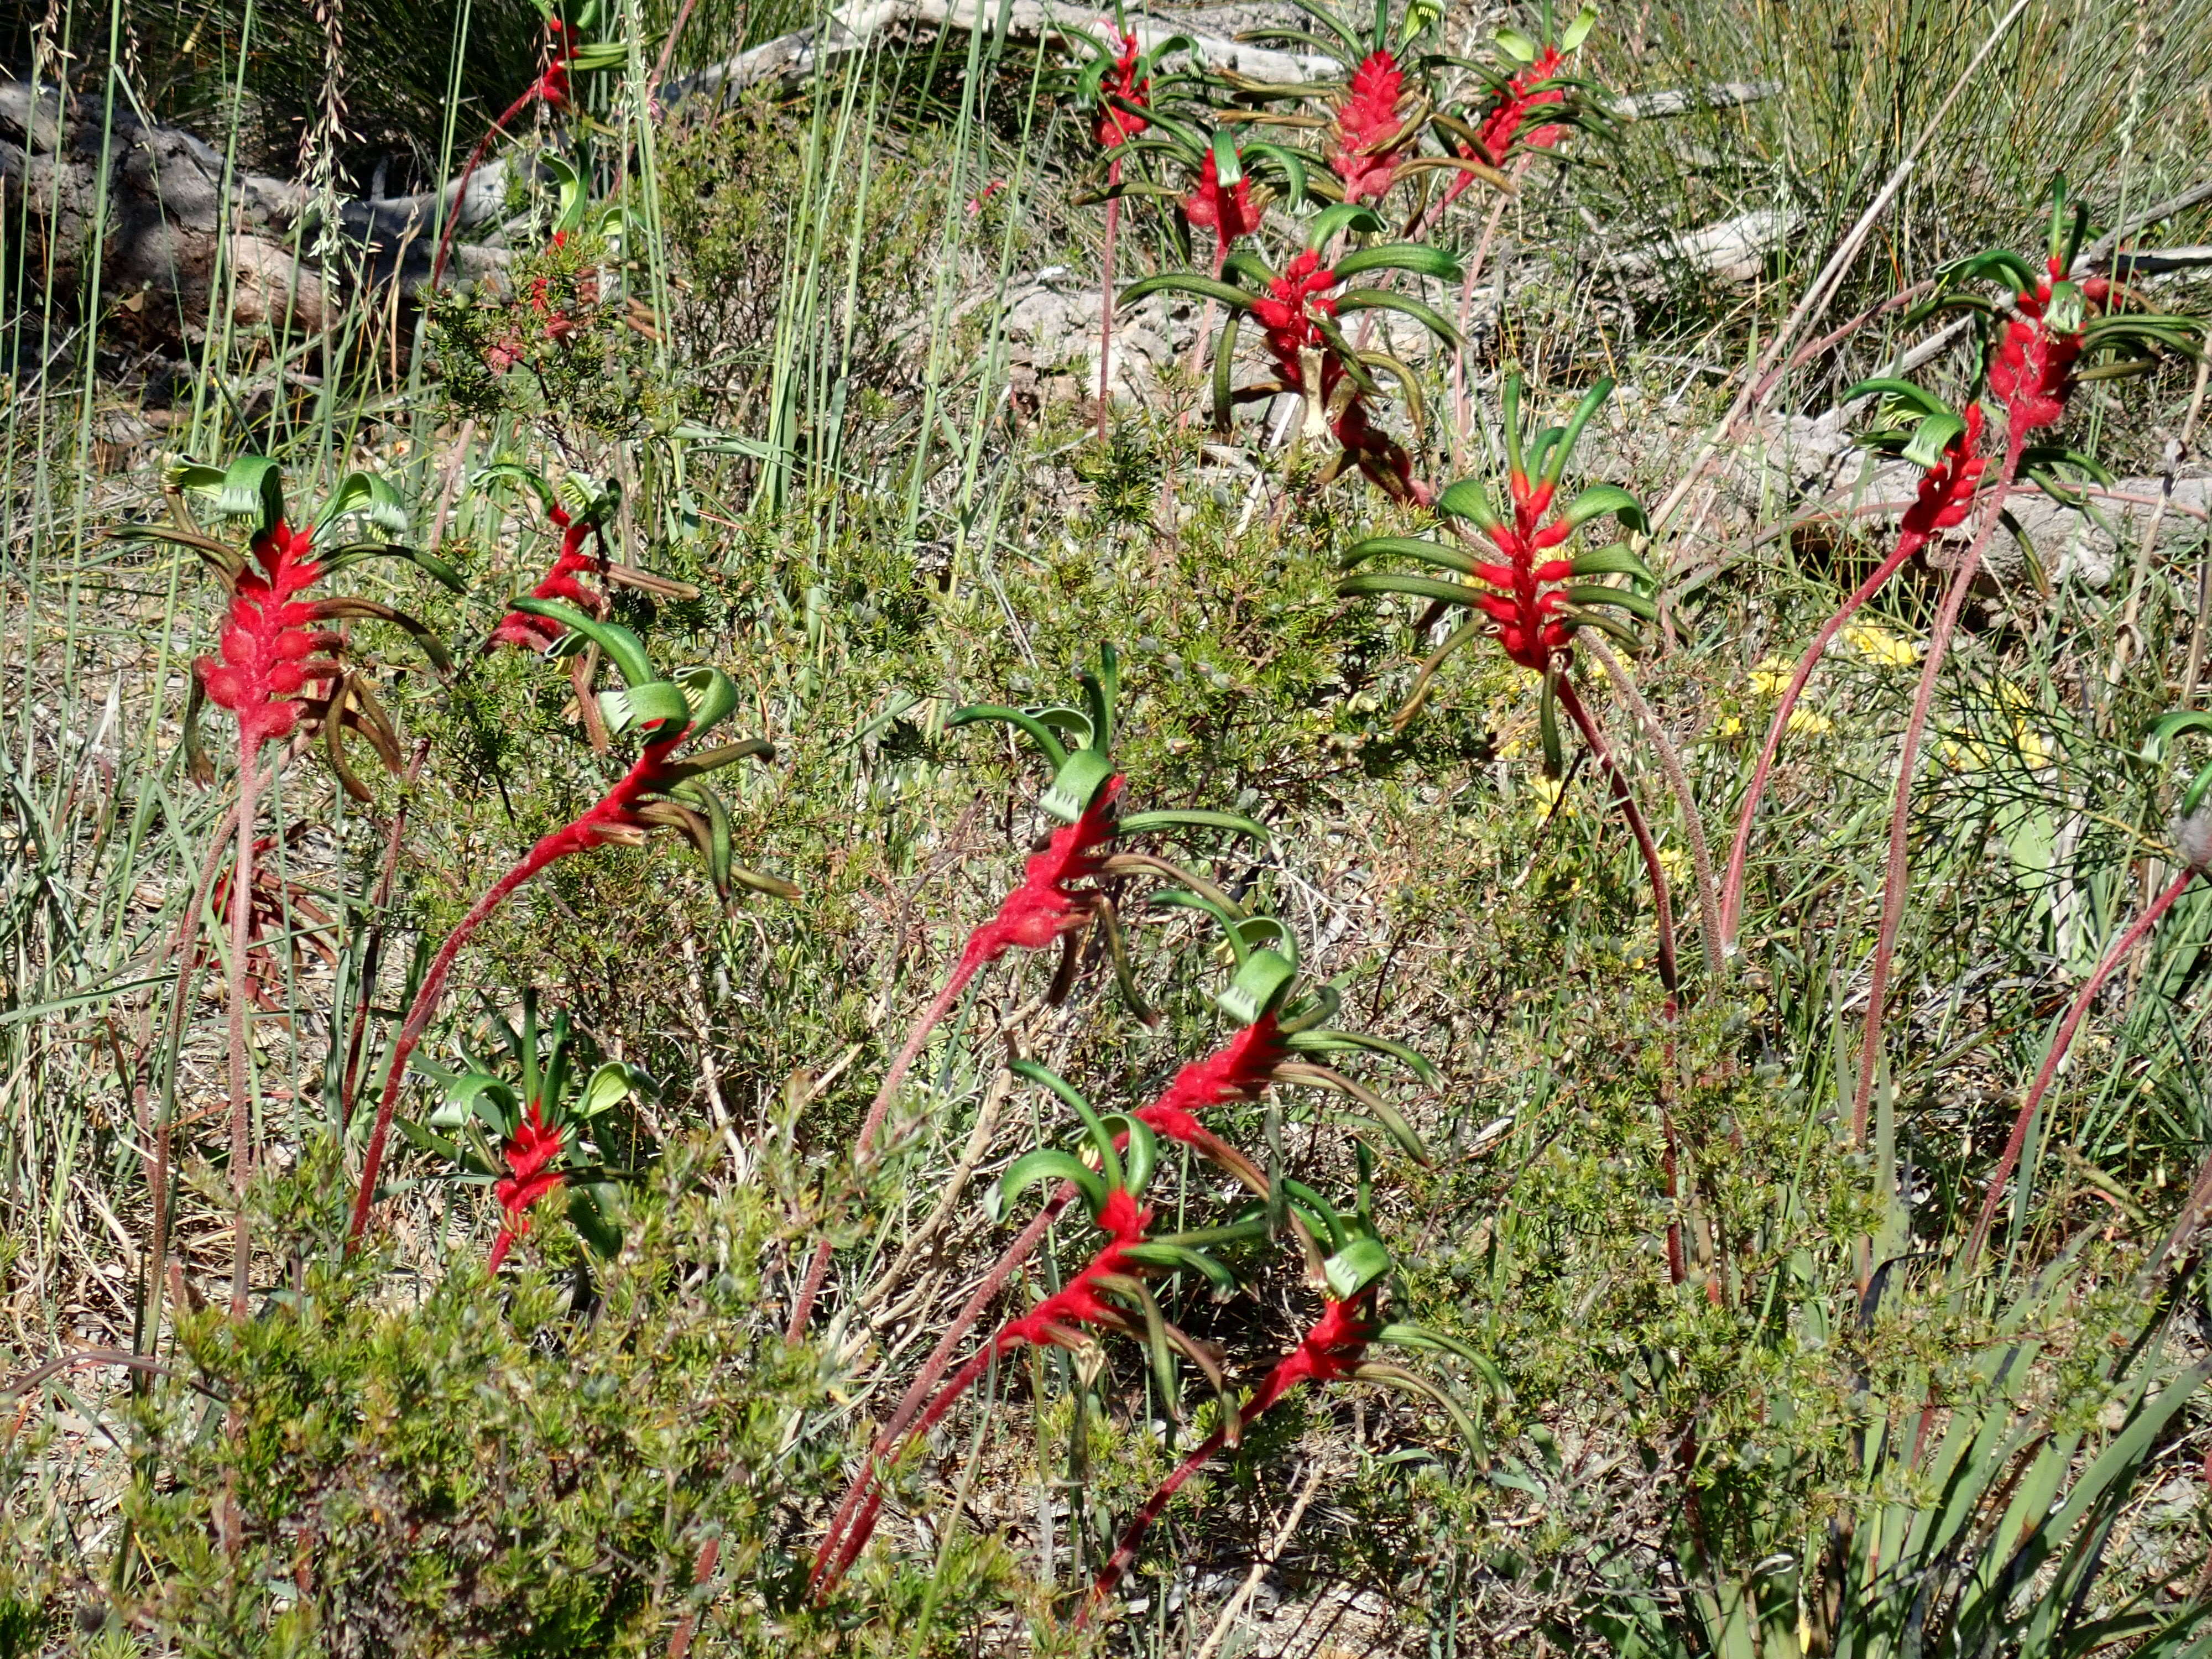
(529, 1150)
(268, 650)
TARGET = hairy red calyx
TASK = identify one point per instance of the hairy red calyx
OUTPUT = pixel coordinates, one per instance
(2031, 366)
(1116, 126)
(1047, 903)
(1228, 214)
(1294, 301)
(1241, 1069)
(1526, 602)
(1370, 128)
(534, 633)
(530, 1152)
(1507, 123)
(1946, 492)
(268, 650)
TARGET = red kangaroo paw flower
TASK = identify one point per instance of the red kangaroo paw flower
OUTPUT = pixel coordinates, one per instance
(533, 1146)
(1241, 1069)
(1504, 126)
(1046, 904)
(533, 633)
(1367, 124)
(1228, 214)
(2032, 367)
(267, 651)
(1332, 1347)
(1116, 126)
(1287, 313)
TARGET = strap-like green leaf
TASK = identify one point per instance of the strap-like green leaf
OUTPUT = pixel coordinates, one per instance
(1618, 560)
(1606, 498)
(355, 552)
(1328, 1042)
(1050, 1163)
(1183, 281)
(1194, 818)
(1627, 599)
(1343, 216)
(1417, 258)
(1402, 1336)
(624, 648)
(1470, 499)
(1419, 587)
(1038, 732)
(1376, 299)
(1411, 547)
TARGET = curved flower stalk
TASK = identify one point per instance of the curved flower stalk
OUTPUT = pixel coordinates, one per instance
(1299, 308)
(664, 787)
(1948, 445)
(1116, 82)
(1533, 598)
(2039, 340)
(278, 909)
(528, 1138)
(2191, 833)
(281, 671)
(566, 53)
(1284, 1029)
(1109, 1294)
(1060, 894)
(1352, 1279)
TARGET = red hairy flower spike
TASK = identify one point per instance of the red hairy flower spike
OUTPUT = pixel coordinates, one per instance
(534, 633)
(268, 651)
(1228, 214)
(530, 1151)
(2031, 366)
(1517, 102)
(1946, 491)
(1241, 1069)
(1368, 128)
(1287, 312)
(1116, 126)
(1046, 905)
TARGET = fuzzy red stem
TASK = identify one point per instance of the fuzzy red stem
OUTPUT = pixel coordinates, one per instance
(2061, 1040)
(940, 1359)
(425, 1005)
(1625, 798)
(1900, 817)
(864, 1524)
(241, 939)
(1125, 1549)
(461, 193)
(1732, 883)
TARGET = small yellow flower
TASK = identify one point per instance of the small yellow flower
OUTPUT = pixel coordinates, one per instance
(1674, 864)
(1810, 721)
(1879, 647)
(2038, 750)
(1544, 794)
(1770, 676)
(1729, 725)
